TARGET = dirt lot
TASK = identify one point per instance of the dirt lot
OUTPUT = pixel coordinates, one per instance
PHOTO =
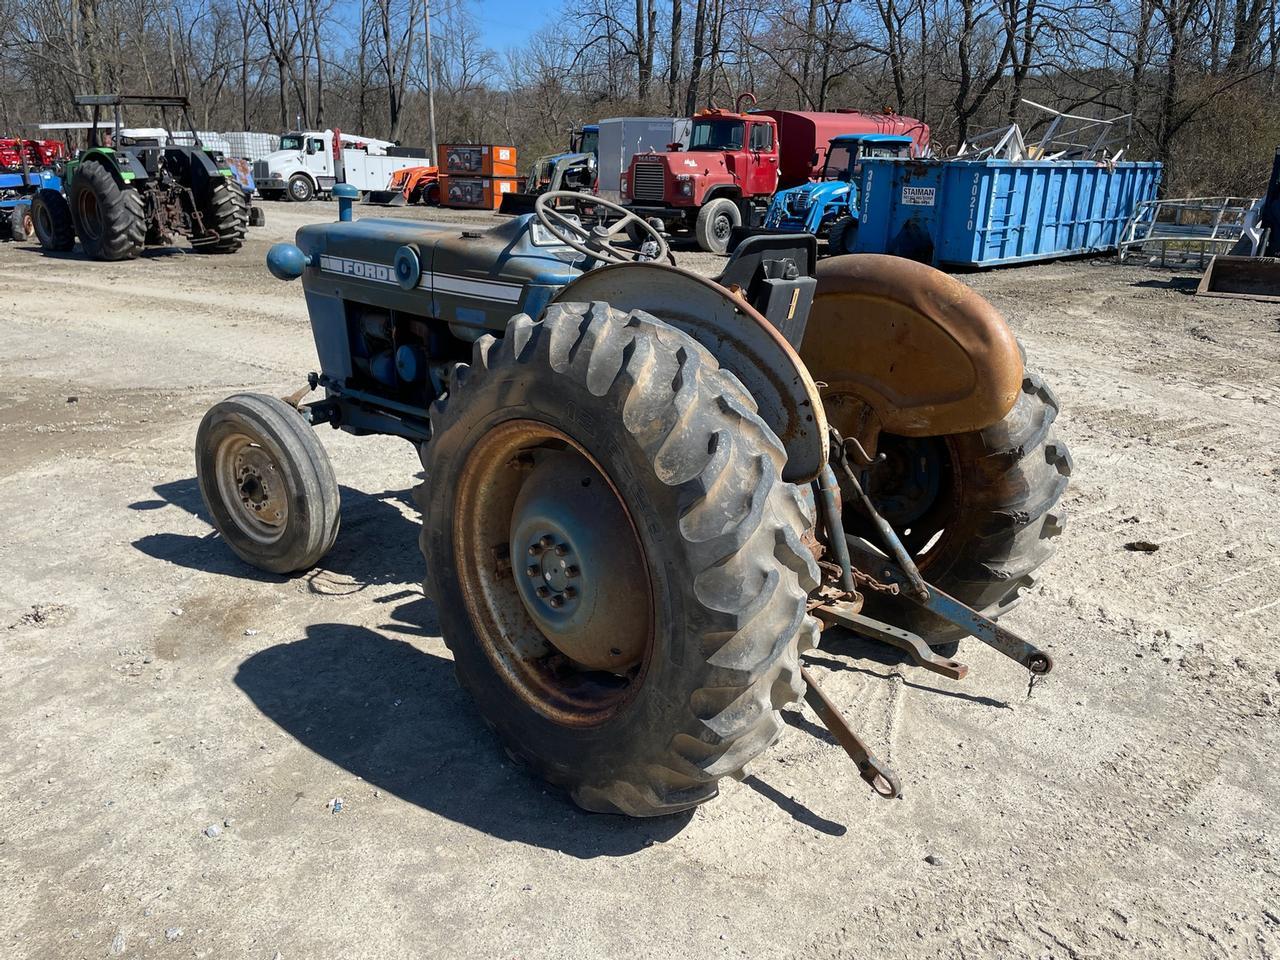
(152, 686)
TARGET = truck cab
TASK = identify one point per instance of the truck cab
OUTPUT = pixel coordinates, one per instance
(820, 205)
(304, 165)
(722, 180)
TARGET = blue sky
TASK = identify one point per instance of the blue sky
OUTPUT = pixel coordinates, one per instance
(507, 23)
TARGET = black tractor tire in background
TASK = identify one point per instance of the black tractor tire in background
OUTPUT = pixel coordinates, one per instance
(300, 189)
(267, 482)
(1004, 484)
(227, 214)
(716, 221)
(110, 219)
(841, 235)
(679, 442)
(52, 216)
(257, 217)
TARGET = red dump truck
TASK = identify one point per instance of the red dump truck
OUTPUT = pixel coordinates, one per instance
(736, 161)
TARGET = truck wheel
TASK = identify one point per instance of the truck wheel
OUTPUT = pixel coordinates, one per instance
(978, 511)
(716, 221)
(267, 482)
(227, 216)
(300, 188)
(109, 218)
(841, 236)
(615, 561)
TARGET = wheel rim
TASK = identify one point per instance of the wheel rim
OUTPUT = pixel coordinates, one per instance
(722, 227)
(917, 490)
(553, 573)
(90, 214)
(299, 189)
(251, 484)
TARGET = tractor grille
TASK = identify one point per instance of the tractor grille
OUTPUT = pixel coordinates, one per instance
(647, 181)
(261, 171)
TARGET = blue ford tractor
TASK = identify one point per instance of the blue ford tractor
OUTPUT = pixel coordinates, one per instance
(828, 207)
(648, 493)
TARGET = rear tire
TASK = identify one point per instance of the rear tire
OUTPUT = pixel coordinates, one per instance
(109, 218)
(717, 533)
(716, 221)
(227, 216)
(267, 483)
(1004, 484)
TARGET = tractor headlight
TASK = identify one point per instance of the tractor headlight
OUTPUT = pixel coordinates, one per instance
(685, 186)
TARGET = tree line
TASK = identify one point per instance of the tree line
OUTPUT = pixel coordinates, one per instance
(1198, 76)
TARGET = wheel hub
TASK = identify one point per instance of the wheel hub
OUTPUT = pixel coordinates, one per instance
(576, 577)
(250, 479)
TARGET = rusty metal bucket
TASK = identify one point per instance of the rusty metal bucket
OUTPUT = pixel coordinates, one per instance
(1247, 278)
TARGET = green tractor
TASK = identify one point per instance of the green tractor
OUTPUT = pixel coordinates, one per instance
(130, 190)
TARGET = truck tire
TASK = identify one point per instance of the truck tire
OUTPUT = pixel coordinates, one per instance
(109, 218)
(267, 483)
(615, 562)
(996, 507)
(715, 225)
(841, 236)
(301, 189)
(227, 215)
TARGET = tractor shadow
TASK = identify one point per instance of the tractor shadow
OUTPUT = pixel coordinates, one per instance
(377, 543)
(148, 253)
(391, 713)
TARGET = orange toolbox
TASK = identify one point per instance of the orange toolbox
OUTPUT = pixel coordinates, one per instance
(476, 193)
(477, 160)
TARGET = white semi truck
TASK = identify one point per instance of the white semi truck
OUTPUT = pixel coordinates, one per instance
(304, 166)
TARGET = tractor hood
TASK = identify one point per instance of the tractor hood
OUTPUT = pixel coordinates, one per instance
(802, 207)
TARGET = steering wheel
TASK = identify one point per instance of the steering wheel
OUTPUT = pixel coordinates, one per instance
(598, 241)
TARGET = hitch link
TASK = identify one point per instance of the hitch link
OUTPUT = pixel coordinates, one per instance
(952, 610)
(870, 767)
(844, 614)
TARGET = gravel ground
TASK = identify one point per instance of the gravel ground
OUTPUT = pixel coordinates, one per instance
(178, 725)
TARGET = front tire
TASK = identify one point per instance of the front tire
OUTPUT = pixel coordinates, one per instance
(267, 483)
(997, 511)
(301, 188)
(841, 236)
(716, 221)
(108, 217)
(594, 419)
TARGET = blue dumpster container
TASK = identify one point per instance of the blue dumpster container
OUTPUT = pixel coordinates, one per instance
(982, 213)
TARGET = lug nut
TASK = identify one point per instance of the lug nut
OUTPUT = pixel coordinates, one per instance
(532, 570)
(572, 570)
(547, 540)
(543, 591)
(570, 593)
(562, 549)
(557, 601)
(534, 549)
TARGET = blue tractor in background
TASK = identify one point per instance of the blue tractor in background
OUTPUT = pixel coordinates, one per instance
(16, 193)
(829, 206)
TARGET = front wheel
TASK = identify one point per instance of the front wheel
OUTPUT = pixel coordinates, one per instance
(715, 224)
(267, 483)
(616, 563)
(841, 236)
(300, 188)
